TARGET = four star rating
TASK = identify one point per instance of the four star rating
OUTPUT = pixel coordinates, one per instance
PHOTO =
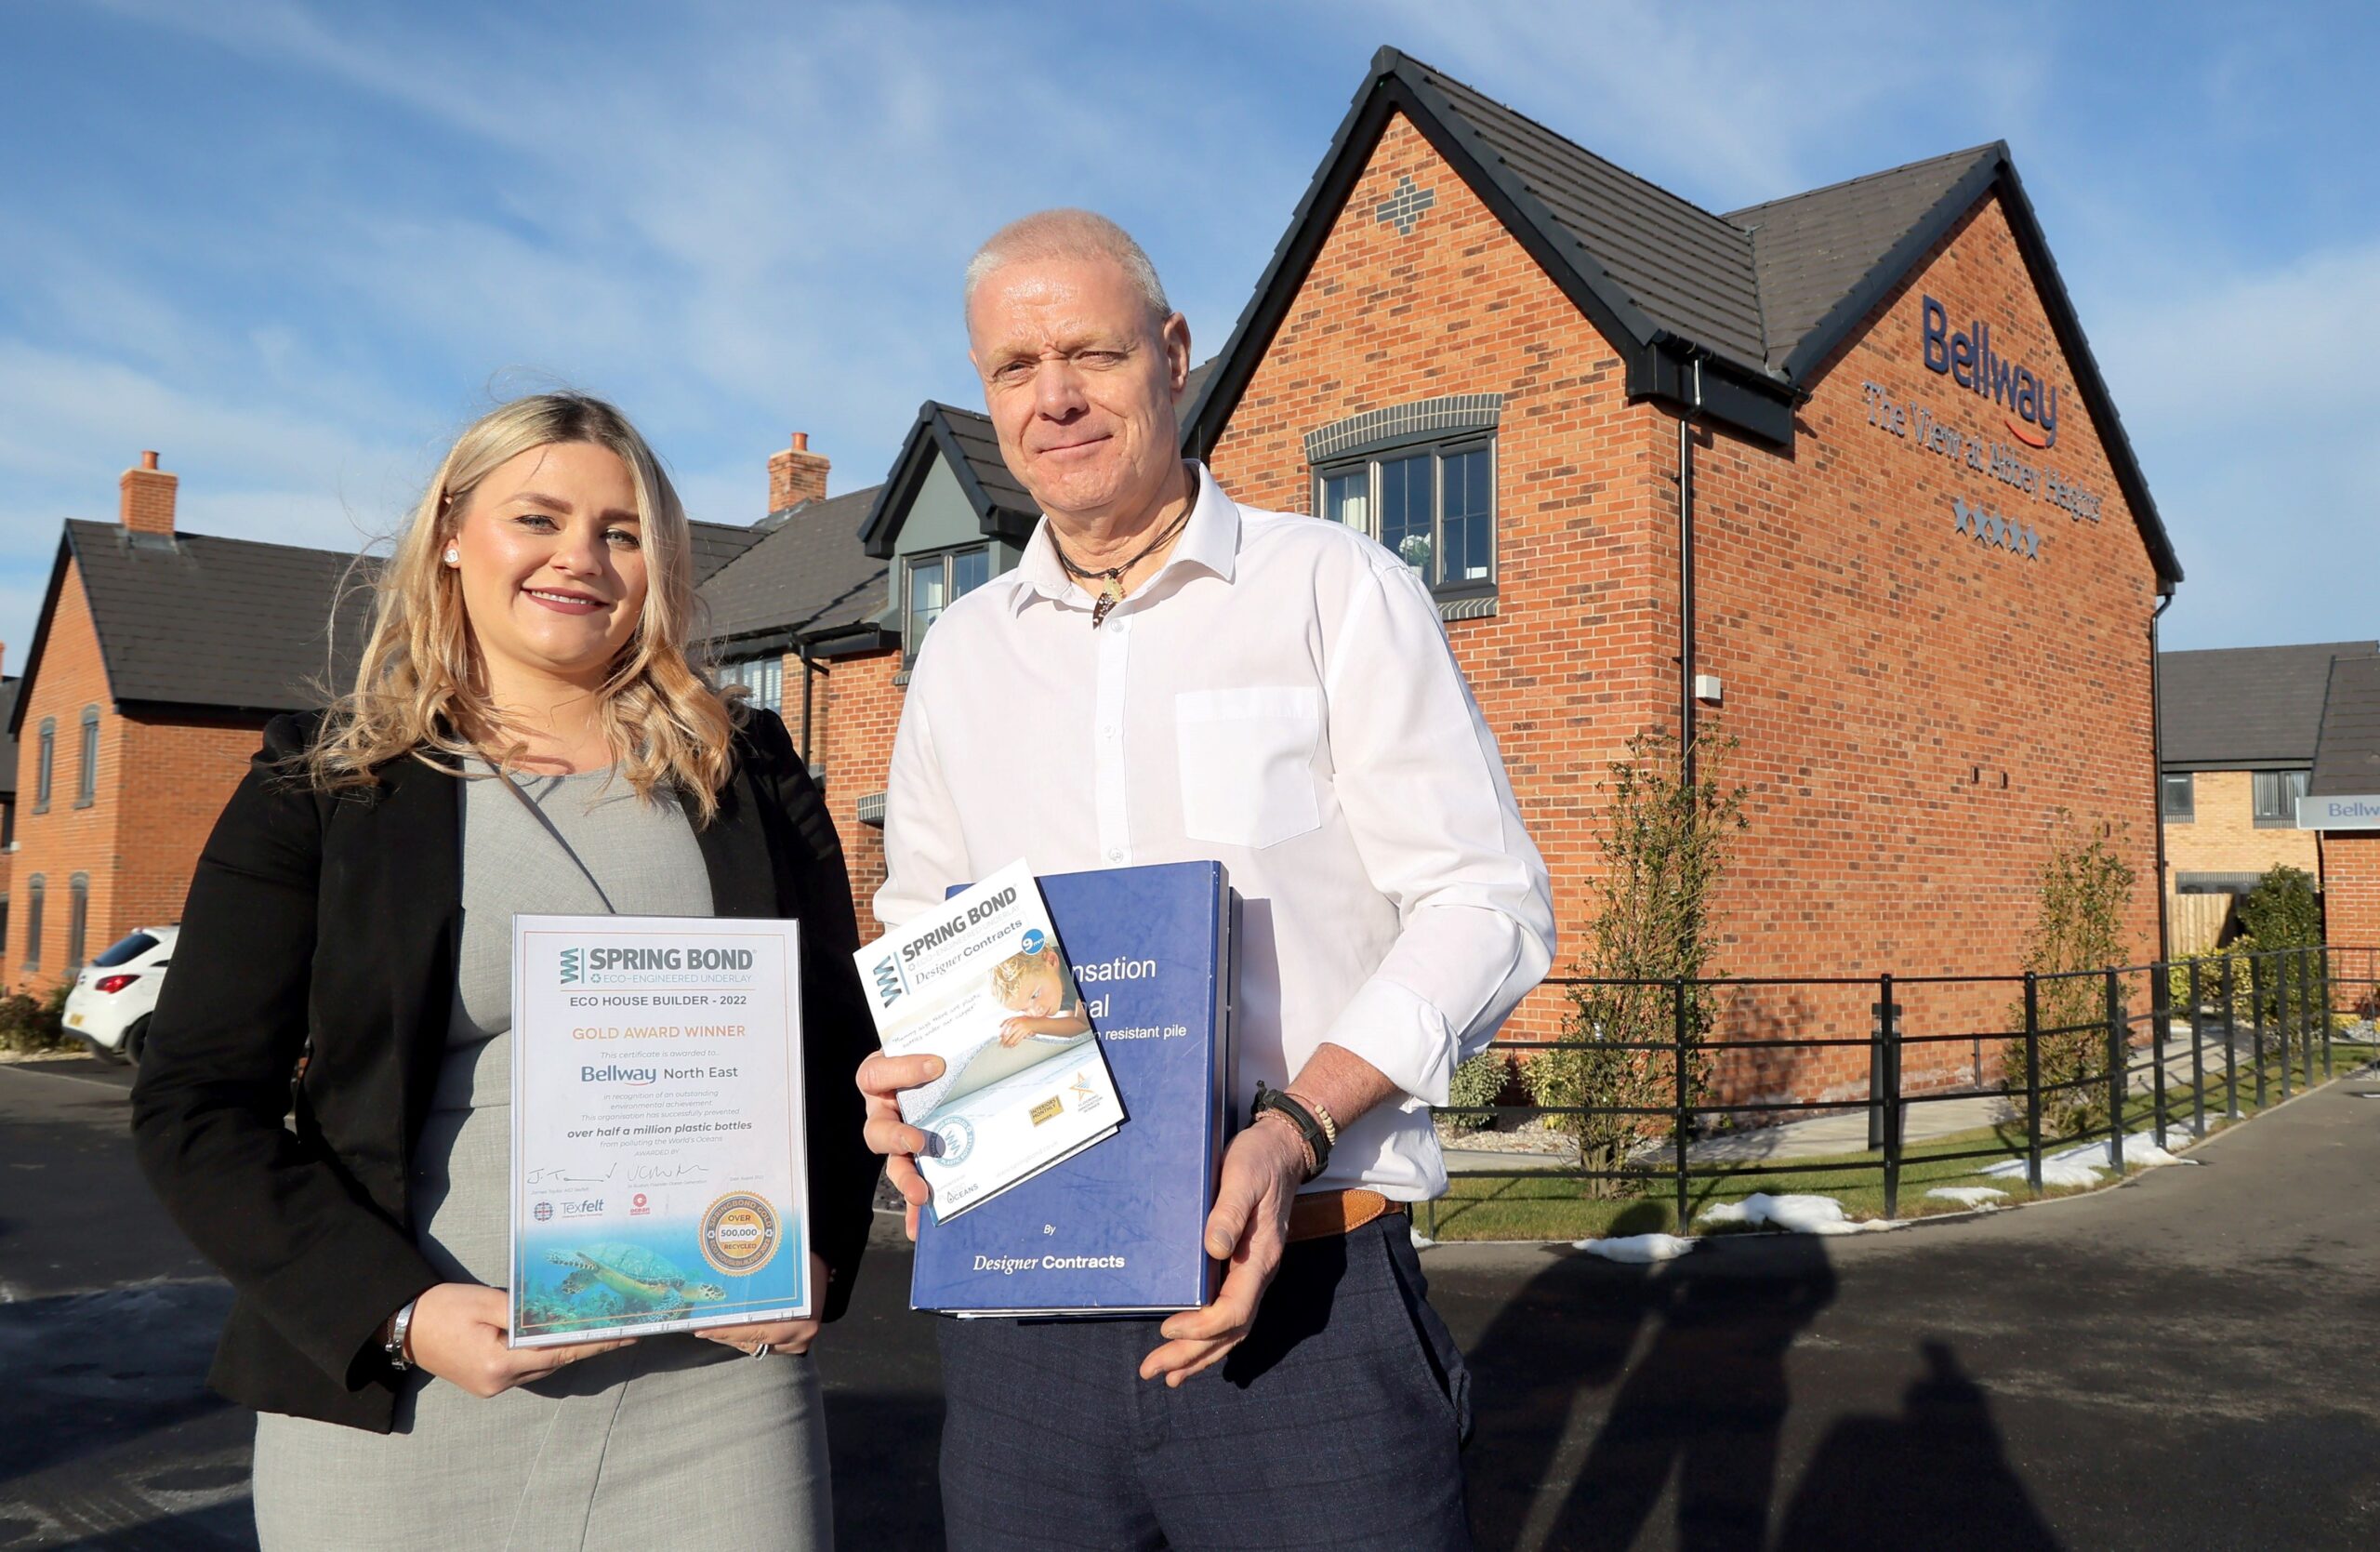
(1989, 527)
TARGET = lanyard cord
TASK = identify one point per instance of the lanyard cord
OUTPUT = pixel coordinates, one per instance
(547, 825)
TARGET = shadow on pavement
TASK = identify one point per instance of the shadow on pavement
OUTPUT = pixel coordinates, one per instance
(1937, 1471)
(1704, 1409)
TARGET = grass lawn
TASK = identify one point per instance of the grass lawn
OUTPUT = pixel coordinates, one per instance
(1538, 1206)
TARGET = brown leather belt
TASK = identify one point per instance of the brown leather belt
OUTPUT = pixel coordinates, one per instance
(1321, 1212)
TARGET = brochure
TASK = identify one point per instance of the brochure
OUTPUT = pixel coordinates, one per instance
(659, 1169)
(983, 984)
(1118, 1230)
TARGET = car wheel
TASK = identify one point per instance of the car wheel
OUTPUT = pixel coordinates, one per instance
(135, 1040)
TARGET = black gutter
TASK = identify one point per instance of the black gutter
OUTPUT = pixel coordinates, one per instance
(1686, 720)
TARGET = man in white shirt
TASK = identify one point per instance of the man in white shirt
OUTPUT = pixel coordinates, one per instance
(1169, 676)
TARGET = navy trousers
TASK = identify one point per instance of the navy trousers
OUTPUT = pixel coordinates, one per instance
(1338, 1423)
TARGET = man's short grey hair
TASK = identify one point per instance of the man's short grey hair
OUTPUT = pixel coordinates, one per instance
(1068, 233)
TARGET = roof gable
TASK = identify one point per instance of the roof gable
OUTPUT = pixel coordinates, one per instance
(1727, 317)
(965, 440)
(215, 624)
(2346, 758)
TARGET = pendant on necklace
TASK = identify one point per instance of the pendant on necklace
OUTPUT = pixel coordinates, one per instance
(1109, 596)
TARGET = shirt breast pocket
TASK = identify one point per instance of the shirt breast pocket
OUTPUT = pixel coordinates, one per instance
(1247, 763)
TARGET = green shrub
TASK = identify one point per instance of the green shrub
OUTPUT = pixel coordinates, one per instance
(2282, 911)
(1480, 1081)
(1665, 842)
(2085, 894)
(30, 1023)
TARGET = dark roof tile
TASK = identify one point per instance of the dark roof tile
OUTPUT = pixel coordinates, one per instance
(2346, 762)
(718, 543)
(1813, 252)
(2247, 708)
(190, 619)
(807, 573)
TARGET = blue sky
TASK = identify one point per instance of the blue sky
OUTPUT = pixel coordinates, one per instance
(297, 245)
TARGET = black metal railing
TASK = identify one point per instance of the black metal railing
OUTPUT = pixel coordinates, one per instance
(2270, 1012)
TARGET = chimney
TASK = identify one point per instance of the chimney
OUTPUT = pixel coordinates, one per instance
(795, 476)
(147, 504)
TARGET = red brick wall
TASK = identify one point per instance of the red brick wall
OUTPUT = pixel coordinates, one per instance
(55, 845)
(1873, 658)
(855, 710)
(176, 777)
(2351, 913)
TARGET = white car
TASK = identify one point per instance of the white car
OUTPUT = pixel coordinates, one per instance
(114, 995)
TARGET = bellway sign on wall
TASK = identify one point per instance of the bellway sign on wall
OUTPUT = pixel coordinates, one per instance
(1967, 358)
(2337, 811)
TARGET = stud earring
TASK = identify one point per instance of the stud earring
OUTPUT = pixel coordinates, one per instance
(454, 556)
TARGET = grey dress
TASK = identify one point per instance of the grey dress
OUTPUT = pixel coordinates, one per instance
(673, 1442)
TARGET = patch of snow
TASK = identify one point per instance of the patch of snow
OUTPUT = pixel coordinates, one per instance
(1969, 1196)
(2084, 1163)
(1797, 1214)
(1638, 1249)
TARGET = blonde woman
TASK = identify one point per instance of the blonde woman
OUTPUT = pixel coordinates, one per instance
(353, 906)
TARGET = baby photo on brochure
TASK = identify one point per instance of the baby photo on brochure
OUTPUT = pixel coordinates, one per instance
(985, 985)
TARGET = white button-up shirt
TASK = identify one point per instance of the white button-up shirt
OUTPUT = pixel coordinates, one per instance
(1279, 698)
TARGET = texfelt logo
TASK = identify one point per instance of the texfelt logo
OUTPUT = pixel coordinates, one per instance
(569, 966)
(1966, 358)
(888, 980)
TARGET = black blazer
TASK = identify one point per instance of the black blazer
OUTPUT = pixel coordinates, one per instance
(336, 917)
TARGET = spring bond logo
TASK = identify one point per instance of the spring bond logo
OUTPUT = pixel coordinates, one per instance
(569, 966)
(889, 985)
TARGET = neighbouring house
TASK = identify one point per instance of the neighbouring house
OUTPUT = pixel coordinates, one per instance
(158, 656)
(1837, 472)
(2342, 808)
(2237, 729)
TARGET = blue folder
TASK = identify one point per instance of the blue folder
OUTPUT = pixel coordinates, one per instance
(1119, 1227)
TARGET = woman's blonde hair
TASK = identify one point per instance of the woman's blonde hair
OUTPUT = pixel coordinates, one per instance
(421, 689)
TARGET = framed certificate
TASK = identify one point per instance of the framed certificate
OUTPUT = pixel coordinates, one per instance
(659, 1172)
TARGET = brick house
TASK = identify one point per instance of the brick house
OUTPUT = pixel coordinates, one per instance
(1837, 469)
(157, 660)
(2237, 731)
(2342, 810)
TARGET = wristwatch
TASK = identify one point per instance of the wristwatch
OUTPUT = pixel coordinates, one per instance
(394, 1345)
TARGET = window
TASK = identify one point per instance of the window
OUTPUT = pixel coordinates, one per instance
(2276, 798)
(935, 583)
(3, 929)
(763, 676)
(1435, 507)
(78, 917)
(2181, 797)
(41, 762)
(32, 923)
(86, 769)
(8, 823)
(124, 949)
